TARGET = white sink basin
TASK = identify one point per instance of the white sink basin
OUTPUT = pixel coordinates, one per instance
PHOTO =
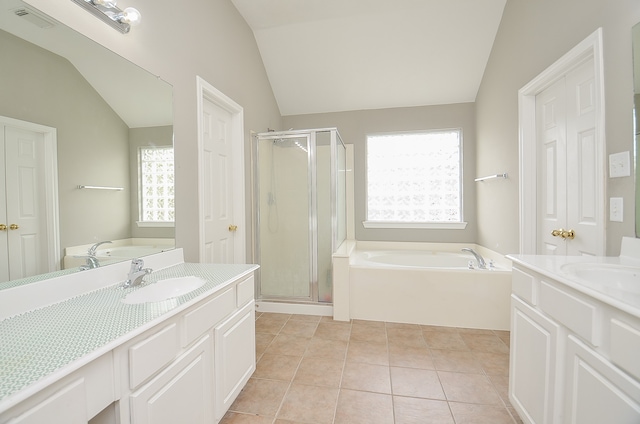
(164, 289)
(625, 278)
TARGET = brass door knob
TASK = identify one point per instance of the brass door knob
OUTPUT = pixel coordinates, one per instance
(557, 233)
(13, 227)
(3, 227)
(570, 234)
(233, 227)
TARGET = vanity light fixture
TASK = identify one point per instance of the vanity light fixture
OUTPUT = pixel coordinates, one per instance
(108, 12)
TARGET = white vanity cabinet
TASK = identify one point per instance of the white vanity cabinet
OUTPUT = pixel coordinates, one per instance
(192, 367)
(574, 358)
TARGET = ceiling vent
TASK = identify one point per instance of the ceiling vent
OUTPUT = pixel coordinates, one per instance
(34, 17)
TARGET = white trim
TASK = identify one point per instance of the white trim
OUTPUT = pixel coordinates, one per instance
(50, 160)
(212, 94)
(295, 308)
(155, 224)
(415, 225)
(591, 47)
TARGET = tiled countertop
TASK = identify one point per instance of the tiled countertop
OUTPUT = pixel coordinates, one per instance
(62, 336)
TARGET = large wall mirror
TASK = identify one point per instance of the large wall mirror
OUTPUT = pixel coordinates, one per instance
(636, 120)
(86, 151)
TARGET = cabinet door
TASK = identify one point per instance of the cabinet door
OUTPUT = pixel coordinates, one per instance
(598, 392)
(532, 380)
(66, 406)
(235, 356)
(181, 393)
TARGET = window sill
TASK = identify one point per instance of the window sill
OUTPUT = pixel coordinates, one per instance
(156, 224)
(415, 225)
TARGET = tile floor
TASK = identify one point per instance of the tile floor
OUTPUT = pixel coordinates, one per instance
(318, 371)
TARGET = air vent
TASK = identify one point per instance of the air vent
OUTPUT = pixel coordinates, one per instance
(34, 17)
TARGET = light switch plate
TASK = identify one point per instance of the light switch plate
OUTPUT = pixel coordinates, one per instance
(616, 205)
(619, 165)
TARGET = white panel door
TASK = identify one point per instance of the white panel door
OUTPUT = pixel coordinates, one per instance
(4, 235)
(24, 202)
(552, 180)
(568, 194)
(217, 159)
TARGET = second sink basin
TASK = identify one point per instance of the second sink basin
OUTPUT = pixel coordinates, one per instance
(623, 278)
(164, 289)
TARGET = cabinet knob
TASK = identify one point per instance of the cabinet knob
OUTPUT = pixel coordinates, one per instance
(13, 227)
(3, 227)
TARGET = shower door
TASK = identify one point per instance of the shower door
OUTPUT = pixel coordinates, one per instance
(286, 218)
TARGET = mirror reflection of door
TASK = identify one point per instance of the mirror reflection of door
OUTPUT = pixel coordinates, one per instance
(567, 202)
(24, 247)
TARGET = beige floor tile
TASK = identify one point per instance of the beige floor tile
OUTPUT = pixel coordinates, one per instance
(276, 316)
(444, 340)
(307, 318)
(333, 331)
(515, 416)
(286, 344)
(475, 331)
(421, 411)
(309, 404)
(405, 337)
(439, 328)
(366, 377)
(356, 407)
(485, 343)
(416, 383)
(367, 333)
(400, 325)
(299, 328)
(378, 324)
(277, 367)
(262, 397)
(501, 384)
(262, 342)
(456, 360)
(323, 348)
(315, 371)
(237, 418)
(369, 353)
(330, 319)
(494, 363)
(410, 357)
(479, 414)
(469, 388)
(271, 326)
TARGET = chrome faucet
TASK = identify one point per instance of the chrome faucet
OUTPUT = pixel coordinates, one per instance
(92, 261)
(481, 263)
(136, 273)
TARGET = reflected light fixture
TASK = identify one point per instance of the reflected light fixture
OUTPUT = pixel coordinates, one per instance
(108, 12)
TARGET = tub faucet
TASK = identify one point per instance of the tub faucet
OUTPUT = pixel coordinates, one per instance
(92, 261)
(481, 263)
(94, 248)
(136, 273)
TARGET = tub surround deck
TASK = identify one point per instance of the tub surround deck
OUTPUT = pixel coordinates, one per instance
(43, 345)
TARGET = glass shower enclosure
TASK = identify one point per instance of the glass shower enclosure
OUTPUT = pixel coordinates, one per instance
(300, 218)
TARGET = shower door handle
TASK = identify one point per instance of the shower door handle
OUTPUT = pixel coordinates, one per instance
(233, 227)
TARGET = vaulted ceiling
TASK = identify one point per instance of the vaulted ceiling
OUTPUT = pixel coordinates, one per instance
(339, 55)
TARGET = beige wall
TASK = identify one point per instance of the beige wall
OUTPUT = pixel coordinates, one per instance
(531, 37)
(92, 140)
(210, 40)
(354, 127)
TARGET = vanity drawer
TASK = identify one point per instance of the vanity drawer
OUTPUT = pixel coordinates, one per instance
(246, 291)
(625, 345)
(208, 315)
(150, 355)
(523, 286)
(577, 314)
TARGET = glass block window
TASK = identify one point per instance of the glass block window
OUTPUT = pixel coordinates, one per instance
(415, 177)
(157, 201)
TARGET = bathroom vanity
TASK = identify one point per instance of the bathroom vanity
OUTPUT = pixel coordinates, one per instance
(575, 338)
(181, 359)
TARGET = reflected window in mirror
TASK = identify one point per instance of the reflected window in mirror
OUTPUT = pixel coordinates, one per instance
(156, 172)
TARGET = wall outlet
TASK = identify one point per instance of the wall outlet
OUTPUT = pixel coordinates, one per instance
(616, 205)
(619, 165)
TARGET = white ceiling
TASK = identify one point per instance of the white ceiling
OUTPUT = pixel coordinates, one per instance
(340, 55)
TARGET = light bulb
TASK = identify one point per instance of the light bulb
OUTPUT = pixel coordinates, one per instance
(106, 3)
(130, 16)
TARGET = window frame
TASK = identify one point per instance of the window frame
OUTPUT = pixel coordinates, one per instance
(140, 222)
(455, 225)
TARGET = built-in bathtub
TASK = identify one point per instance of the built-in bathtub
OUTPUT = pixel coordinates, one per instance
(117, 250)
(421, 283)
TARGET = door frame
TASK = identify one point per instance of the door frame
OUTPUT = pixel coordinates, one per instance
(589, 48)
(206, 91)
(50, 161)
